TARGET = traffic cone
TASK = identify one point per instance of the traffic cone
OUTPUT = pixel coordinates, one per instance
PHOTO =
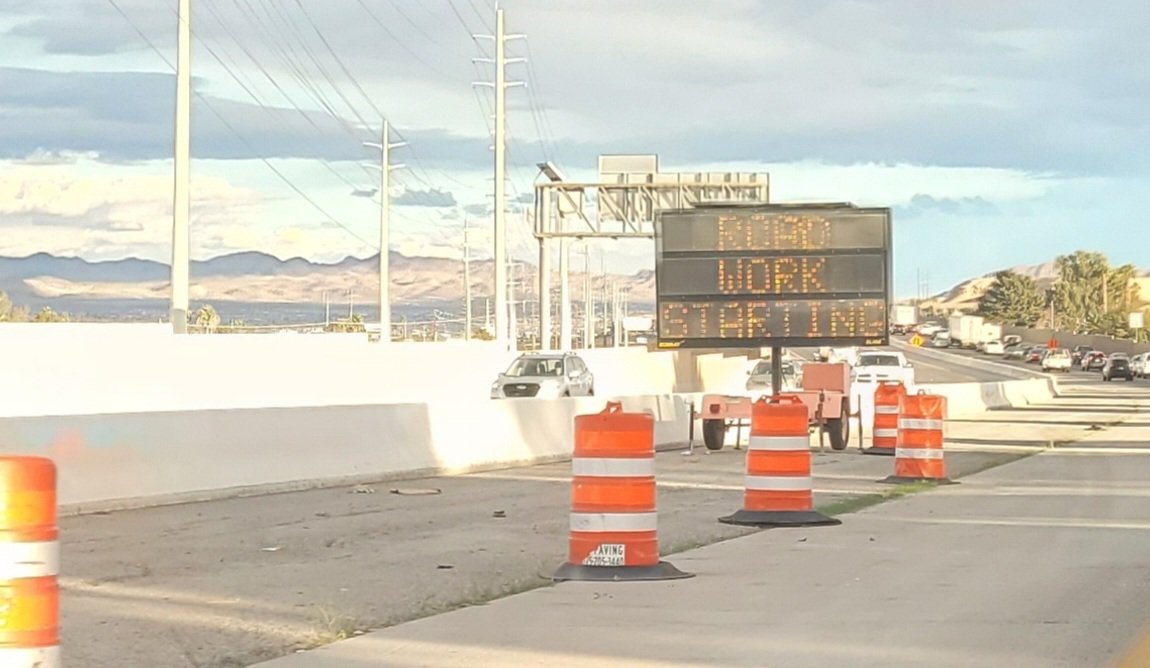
(779, 488)
(613, 532)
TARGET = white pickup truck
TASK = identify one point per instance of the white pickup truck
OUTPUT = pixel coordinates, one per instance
(873, 366)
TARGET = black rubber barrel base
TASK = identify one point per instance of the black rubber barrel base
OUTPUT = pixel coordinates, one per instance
(779, 518)
(885, 452)
(662, 571)
(896, 480)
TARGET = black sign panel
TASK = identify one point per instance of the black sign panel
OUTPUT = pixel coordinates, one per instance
(787, 275)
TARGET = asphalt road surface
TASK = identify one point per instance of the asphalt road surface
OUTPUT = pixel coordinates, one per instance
(229, 583)
(1040, 563)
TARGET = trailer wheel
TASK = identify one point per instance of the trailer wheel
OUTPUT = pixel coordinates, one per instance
(839, 431)
(714, 433)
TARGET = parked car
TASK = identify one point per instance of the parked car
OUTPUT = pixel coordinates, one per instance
(1093, 361)
(994, 348)
(1016, 351)
(759, 377)
(1056, 360)
(1117, 366)
(545, 376)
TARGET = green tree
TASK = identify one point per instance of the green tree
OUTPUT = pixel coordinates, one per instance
(6, 307)
(1013, 299)
(46, 314)
(1092, 297)
(207, 318)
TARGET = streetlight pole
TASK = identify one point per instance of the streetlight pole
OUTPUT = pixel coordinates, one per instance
(466, 282)
(181, 196)
(385, 147)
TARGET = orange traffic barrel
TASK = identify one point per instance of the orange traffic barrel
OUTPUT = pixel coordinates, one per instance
(778, 486)
(613, 518)
(29, 564)
(918, 454)
(884, 428)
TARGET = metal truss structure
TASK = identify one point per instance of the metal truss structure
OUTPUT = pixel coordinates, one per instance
(621, 205)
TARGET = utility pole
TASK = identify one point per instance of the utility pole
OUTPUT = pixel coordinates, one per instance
(512, 321)
(502, 312)
(588, 301)
(182, 155)
(466, 283)
(544, 295)
(615, 313)
(326, 311)
(350, 304)
(565, 294)
(385, 147)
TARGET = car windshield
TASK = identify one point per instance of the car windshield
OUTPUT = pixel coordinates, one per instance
(763, 368)
(878, 360)
(536, 366)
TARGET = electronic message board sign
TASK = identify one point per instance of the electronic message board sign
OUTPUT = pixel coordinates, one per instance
(772, 275)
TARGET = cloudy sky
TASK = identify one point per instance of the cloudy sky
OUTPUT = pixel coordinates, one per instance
(1002, 133)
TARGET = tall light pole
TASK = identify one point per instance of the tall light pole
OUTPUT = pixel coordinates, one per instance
(501, 61)
(385, 167)
(181, 197)
(466, 282)
(588, 300)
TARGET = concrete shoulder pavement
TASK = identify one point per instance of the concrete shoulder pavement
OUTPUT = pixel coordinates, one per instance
(1039, 563)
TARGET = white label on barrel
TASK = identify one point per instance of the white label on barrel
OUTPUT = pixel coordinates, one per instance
(607, 554)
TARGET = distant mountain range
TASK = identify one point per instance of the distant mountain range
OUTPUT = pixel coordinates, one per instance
(255, 277)
(965, 295)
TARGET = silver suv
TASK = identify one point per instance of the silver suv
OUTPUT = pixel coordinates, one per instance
(545, 376)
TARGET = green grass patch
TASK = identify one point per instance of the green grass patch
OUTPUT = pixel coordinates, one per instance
(857, 503)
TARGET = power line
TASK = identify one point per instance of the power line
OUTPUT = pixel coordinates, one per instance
(250, 85)
(207, 104)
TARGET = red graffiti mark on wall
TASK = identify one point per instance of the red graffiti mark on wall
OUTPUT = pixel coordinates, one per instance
(68, 445)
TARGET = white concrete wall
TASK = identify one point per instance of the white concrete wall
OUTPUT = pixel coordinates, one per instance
(134, 459)
(84, 369)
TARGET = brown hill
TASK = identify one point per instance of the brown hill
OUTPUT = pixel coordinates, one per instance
(261, 278)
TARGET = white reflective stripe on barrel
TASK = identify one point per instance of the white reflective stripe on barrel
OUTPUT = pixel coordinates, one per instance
(779, 443)
(886, 433)
(916, 453)
(613, 467)
(919, 425)
(29, 560)
(764, 483)
(886, 410)
(599, 522)
(39, 657)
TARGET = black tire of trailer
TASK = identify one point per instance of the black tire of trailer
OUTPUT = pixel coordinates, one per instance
(714, 434)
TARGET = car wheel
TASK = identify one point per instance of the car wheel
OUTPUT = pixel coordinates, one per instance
(591, 391)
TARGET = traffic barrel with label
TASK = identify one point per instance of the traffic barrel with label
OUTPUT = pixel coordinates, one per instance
(29, 564)
(918, 454)
(613, 519)
(778, 486)
(884, 428)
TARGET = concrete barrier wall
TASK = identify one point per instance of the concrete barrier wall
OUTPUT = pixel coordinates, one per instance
(78, 369)
(137, 459)
(1108, 344)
